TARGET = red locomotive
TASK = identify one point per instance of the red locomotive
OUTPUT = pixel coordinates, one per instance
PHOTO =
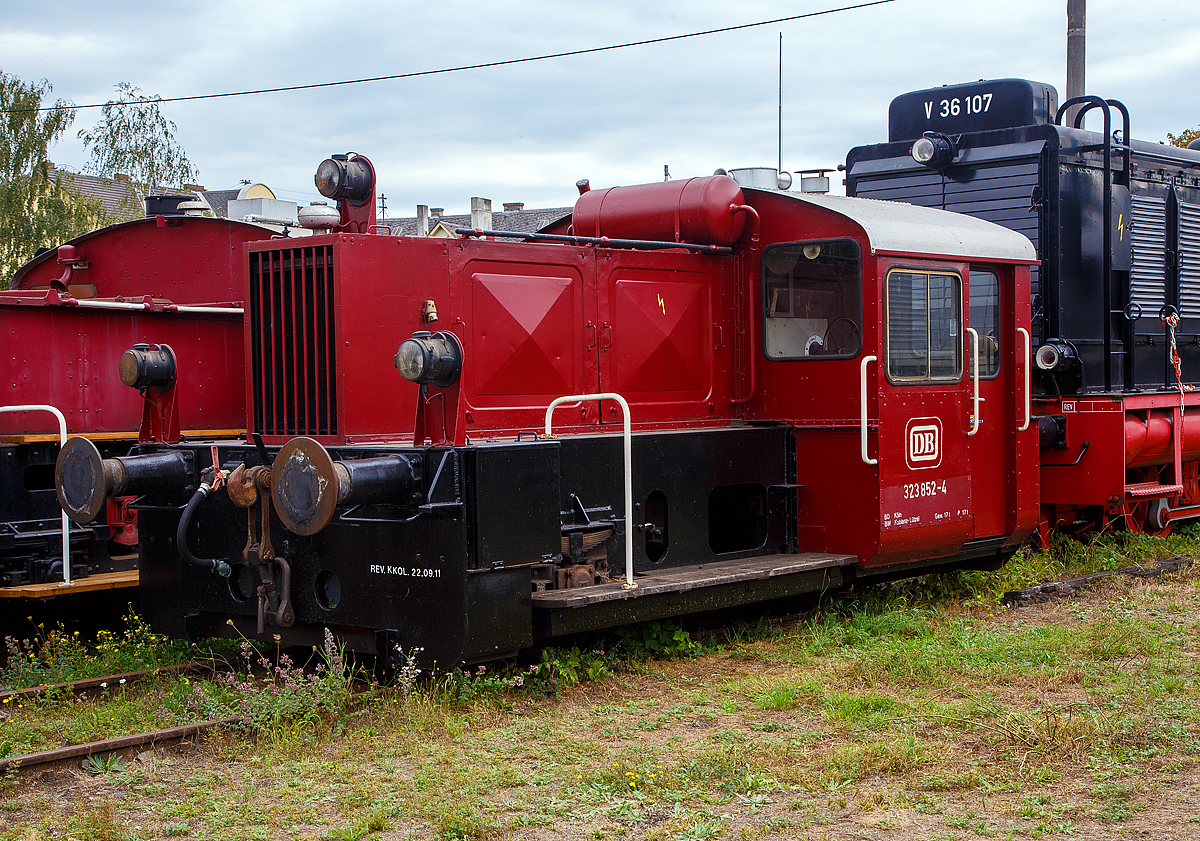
(170, 280)
(687, 395)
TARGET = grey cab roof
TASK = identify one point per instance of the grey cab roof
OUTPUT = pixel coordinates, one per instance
(893, 226)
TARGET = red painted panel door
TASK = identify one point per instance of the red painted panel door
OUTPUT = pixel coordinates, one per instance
(1003, 489)
(657, 336)
(526, 334)
(993, 439)
(925, 494)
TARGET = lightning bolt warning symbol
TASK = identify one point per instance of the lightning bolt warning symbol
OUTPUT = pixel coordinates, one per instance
(662, 304)
(1121, 226)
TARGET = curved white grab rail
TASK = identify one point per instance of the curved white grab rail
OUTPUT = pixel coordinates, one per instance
(62, 440)
(862, 406)
(628, 440)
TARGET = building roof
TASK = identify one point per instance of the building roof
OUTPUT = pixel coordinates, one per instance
(219, 200)
(523, 221)
(115, 194)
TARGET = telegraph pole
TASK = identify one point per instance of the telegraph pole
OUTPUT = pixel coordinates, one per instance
(1076, 29)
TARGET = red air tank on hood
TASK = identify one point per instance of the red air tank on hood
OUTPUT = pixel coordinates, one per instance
(699, 210)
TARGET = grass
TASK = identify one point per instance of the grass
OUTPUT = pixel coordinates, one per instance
(920, 710)
(55, 656)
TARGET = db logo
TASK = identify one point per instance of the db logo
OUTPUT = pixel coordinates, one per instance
(923, 443)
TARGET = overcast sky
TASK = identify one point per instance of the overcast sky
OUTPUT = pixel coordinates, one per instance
(529, 132)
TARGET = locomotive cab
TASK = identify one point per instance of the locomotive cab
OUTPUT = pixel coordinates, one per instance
(894, 346)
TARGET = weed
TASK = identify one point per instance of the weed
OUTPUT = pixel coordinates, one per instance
(357, 829)
(660, 639)
(98, 763)
(869, 710)
(288, 696)
(56, 656)
(461, 823)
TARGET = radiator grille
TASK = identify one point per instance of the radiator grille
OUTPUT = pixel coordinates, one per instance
(1189, 260)
(1148, 238)
(293, 350)
(999, 192)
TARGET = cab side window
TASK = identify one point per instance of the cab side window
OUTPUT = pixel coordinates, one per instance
(924, 318)
(812, 305)
(984, 297)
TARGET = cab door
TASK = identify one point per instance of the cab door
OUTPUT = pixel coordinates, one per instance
(925, 403)
(997, 312)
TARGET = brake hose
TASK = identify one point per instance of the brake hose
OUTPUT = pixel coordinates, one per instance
(181, 534)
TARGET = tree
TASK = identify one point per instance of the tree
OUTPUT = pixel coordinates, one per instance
(1185, 137)
(38, 206)
(133, 138)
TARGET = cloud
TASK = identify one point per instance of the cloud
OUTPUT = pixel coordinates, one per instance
(527, 132)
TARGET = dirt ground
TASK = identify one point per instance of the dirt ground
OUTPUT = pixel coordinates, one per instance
(223, 788)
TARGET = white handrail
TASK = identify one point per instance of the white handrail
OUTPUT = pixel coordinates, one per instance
(1028, 379)
(62, 440)
(975, 419)
(214, 310)
(608, 395)
(143, 307)
(862, 404)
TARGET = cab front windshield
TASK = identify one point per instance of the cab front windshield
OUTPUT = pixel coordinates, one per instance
(812, 303)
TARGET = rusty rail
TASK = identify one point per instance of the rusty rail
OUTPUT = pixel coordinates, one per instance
(1058, 589)
(97, 682)
(29, 760)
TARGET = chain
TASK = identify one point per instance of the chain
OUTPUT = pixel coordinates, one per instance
(1172, 321)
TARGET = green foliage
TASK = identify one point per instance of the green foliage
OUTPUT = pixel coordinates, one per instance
(1184, 137)
(1066, 557)
(58, 657)
(464, 685)
(133, 138)
(661, 640)
(287, 698)
(97, 763)
(38, 205)
(560, 668)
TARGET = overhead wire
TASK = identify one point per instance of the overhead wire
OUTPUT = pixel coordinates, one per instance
(462, 67)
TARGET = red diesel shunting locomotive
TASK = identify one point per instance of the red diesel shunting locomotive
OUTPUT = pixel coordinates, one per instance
(70, 316)
(820, 389)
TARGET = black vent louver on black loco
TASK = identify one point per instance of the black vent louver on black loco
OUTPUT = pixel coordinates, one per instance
(292, 346)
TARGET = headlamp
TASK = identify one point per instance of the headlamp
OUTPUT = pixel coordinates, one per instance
(434, 358)
(1056, 356)
(143, 366)
(345, 178)
(934, 150)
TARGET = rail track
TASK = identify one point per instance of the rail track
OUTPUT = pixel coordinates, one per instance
(107, 683)
(1029, 595)
(101, 682)
(106, 746)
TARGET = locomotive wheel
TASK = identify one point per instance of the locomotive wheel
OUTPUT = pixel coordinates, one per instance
(1147, 516)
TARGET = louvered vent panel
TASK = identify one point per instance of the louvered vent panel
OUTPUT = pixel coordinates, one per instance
(293, 352)
(999, 192)
(1148, 238)
(1189, 260)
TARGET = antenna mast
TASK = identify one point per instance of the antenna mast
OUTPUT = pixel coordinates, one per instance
(779, 168)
